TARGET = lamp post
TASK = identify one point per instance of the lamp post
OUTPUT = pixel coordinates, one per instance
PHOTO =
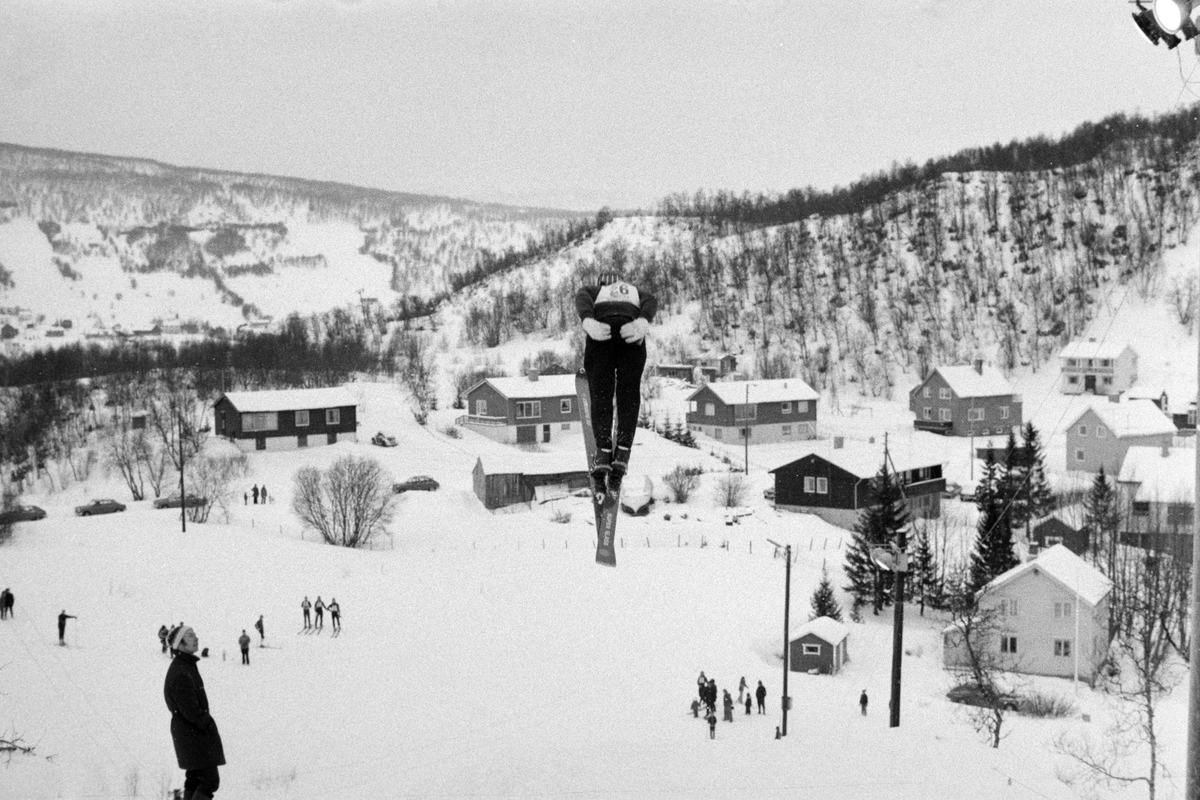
(182, 495)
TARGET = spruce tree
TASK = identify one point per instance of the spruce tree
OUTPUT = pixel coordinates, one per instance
(1014, 480)
(1039, 498)
(824, 603)
(923, 569)
(1102, 516)
(993, 553)
(879, 524)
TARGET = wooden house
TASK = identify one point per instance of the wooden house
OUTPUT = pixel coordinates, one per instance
(1050, 614)
(1157, 485)
(1103, 433)
(973, 400)
(8, 331)
(506, 481)
(834, 482)
(1107, 368)
(780, 410)
(683, 372)
(1059, 527)
(284, 419)
(522, 410)
(820, 646)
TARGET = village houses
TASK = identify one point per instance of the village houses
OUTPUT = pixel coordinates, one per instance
(780, 410)
(1103, 433)
(1106, 368)
(286, 419)
(1157, 485)
(522, 410)
(967, 400)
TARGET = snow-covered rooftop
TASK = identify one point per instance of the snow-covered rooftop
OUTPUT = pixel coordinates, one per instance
(1065, 567)
(544, 386)
(780, 390)
(291, 399)
(826, 628)
(965, 381)
(864, 460)
(1131, 418)
(1091, 348)
(1168, 478)
(533, 463)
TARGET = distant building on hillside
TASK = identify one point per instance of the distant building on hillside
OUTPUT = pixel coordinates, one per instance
(973, 400)
(285, 419)
(522, 410)
(1097, 367)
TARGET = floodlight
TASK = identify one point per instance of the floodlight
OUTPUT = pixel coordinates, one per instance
(1170, 14)
(1145, 21)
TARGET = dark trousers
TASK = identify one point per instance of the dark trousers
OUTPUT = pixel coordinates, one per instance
(614, 371)
(307, 619)
(337, 621)
(203, 779)
(320, 618)
(762, 705)
(245, 656)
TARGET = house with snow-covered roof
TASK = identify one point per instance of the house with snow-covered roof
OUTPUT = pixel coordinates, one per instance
(1048, 616)
(1158, 486)
(1097, 367)
(833, 481)
(1104, 432)
(820, 646)
(965, 400)
(286, 419)
(779, 410)
(525, 409)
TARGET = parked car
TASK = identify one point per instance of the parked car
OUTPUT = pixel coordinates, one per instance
(173, 501)
(21, 514)
(971, 695)
(769, 494)
(99, 507)
(383, 440)
(417, 483)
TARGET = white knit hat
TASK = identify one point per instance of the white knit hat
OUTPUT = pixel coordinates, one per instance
(178, 634)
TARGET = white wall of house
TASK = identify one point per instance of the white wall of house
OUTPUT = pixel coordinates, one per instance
(759, 434)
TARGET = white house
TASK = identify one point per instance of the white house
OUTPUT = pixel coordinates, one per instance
(1049, 616)
(1097, 367)
(1158, 483)
(1103, 433)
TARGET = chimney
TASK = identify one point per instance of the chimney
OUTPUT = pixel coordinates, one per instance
(979, 366)
(1166, 450)
(533, 374)
(838, 442)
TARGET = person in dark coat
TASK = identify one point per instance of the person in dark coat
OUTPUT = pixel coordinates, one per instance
(335, 615)
(244, 644)
(727, 705)
(319, 607)
(747, 702)
(254, 493)
(62, 625)
(862, 702)
(194, 733)
(761, 695)
(262, 494)
(258, 626)
(6, 603)
(712, 725)
(306, 607)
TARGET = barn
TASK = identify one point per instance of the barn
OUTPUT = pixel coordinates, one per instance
(505, 481)
(819, 646)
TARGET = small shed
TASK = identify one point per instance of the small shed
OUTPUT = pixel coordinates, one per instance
(1054, 529)
(819, 646)
(506, 481)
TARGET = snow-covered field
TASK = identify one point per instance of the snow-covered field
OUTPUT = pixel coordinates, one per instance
(486, 654)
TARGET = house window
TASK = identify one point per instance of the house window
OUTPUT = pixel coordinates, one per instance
(812, 649)
(1008, 644)
(927, 392)
(529, 409)
(1071, 362)
(566, 426)
(302, 440)
(1101, 431)
(944, 393)
(927, 413)
(744, 411)
(801, 406)
(1179, 515)
(710, 410)
(1072, 380)
(333, 416)
(787, 430)
(1079, 455)
(1062, 647)
(1008, 608)
(564, 405)
(1091, 363)
(822, 485)
(974, 415)
(785, 408)
(260, 421)
(944, 414)
(481, 408)
(718, 433)
(1003, 412)
(1106, 380)
(1062, 610)
(1083, 430)
(810, 485)
(301, 419)
(1053, 540)
(1141, 508)
(1106, 362)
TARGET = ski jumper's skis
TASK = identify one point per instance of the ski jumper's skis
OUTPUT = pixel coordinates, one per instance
(605, 505)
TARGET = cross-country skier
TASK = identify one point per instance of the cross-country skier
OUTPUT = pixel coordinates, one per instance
(194, 733)
(616, 317)
(319, 607)
(305, 606)
(335, 615)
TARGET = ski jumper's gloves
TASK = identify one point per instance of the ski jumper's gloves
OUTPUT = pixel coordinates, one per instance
(595, 329)
(634, 332)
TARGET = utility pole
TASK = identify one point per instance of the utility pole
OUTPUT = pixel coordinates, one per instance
(182, 495)
(1192, 790)
(787, 602)
(898, 600)
(746, 434)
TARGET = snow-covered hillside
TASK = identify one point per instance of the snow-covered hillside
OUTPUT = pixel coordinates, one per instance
(485, 653)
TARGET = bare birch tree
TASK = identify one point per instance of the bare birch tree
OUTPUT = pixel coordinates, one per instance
(349, 504)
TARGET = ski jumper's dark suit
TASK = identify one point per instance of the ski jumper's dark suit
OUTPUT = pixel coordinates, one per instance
(614, 366)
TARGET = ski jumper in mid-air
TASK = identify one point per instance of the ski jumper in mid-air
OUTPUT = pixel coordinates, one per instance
(616, 317)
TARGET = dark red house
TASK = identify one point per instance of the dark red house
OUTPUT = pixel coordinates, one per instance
(285, 419)
(819, 646)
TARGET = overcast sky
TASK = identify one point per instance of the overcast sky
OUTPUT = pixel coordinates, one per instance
(569, 103)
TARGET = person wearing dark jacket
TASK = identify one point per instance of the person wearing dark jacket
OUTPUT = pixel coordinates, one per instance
(258, 626)
(244, 644)
(194, 733)
(761, 695)
(62, 625)
(616, 317)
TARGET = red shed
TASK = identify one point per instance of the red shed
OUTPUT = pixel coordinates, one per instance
(819, 646)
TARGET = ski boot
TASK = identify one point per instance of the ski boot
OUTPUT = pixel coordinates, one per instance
(620, 463)
(601, 469)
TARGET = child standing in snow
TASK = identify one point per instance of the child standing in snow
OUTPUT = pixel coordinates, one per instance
(712, 725)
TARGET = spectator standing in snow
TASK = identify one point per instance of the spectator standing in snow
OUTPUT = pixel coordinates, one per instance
(712, 725)
(62, 625)
(319, 607)
(262, 494)
(305, 606)
(254, 493)
(194, 733)
(727, 703)
(862, 702)
(258, 626)
(747, 702)
(162, 637)
(6, 603)
(245, 498)
(244, 644)
(742, 686)
(761, 694)
(702, 686)
(696, 708)
(335, 615)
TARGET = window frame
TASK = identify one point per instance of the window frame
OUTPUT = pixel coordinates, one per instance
(333, 416)
(533, 406)
(564, 405)
(822, 485)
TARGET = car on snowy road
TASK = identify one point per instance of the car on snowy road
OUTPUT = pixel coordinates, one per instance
(383, 440)
(173, 501)
(417, 483)
(971, 695)
(99, 507)
(21, 514)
